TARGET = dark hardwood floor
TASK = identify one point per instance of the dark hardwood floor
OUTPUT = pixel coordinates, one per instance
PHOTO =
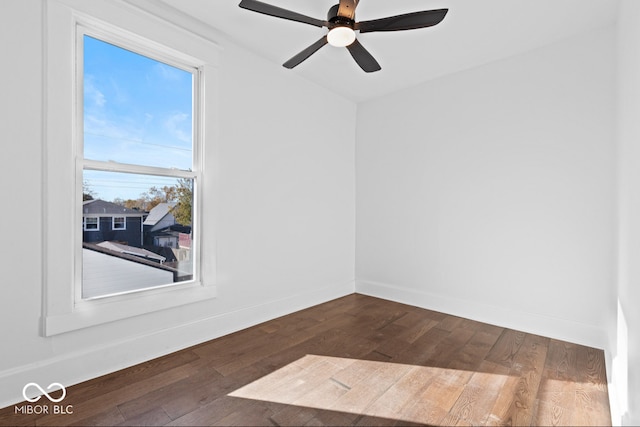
(357, 360)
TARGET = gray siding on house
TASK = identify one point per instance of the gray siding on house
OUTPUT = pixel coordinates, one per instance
(167, 221)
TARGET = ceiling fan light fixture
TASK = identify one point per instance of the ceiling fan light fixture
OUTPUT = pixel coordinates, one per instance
(341, 36)
(342, 28)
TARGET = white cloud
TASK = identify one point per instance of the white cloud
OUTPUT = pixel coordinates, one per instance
(121, 95)
(101, 126)
(91, 92)
(179, 126)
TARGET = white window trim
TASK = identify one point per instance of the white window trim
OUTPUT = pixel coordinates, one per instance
(63, 308)
(124, 223)
(97, 223)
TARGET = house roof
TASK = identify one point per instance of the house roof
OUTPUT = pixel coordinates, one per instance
(131, 250)
(174, 230)
(158, 212)
(133, 273)
(101, 207)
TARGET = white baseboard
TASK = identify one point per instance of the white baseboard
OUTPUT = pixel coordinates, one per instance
(534, 323)
(614, 400)
(73, 368)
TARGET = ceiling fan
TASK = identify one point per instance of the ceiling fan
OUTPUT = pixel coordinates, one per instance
(342, 28)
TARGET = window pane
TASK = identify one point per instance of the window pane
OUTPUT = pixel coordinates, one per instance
(119, 223)
(155, 247)
(91, 223)
(136, 110)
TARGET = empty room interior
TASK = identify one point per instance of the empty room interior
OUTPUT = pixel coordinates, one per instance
(435, 223)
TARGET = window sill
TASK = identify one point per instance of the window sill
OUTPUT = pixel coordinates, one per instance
(104, 310)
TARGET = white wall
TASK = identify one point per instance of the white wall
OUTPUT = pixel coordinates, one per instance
(489, 193)
(284, 217)
(20, 170)
(625, 342)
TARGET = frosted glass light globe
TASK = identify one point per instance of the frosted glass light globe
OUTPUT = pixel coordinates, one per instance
(341, 36)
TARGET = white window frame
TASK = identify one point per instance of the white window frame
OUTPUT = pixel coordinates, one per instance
(123, 222)
(97, 224)
(64, 310)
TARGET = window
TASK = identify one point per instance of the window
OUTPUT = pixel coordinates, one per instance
(119, 223)
(91, 224)
(137, 154)
(105, 164)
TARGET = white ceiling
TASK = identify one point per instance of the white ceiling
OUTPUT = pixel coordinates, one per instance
(474, 32)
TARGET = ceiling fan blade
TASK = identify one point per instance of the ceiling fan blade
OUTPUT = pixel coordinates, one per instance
(267, 9)
(305, 53)
(347, 9)
(408, 21)
(363, 57)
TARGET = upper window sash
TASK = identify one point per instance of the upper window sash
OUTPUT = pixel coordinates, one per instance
(158, 53)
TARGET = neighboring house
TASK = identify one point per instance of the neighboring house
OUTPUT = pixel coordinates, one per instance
(166, 239)
(160, 217)
(163, 235)
(175, 236)
(184, 240)
(106, 221)
(162, 230)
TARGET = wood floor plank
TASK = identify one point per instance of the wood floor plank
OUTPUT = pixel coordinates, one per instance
(110, 417)
(422, 348)
(480, 393)
(470, 355)
(324, 395)
(416, 329)
(253, 414)
(365, 392)
(211, 413)
(203, 377)
(356, 360)
(590, 365)
(507, 346)
(591, 407)
(434, 403)
(333, 418)
(99, 404)
(403, 393)
(554, 408)
(450, 323)
(528, 364)
(219, 349)
(561, 364)
(154, 417)
(500, 413)
(289, 415)
(97, 387)
(442, 354)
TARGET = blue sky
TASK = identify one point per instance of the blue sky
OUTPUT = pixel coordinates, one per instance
(136, 110)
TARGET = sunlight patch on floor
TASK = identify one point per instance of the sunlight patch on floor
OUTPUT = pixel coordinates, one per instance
(382, 389)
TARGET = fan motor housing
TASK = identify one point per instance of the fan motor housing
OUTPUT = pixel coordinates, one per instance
(336, 20)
